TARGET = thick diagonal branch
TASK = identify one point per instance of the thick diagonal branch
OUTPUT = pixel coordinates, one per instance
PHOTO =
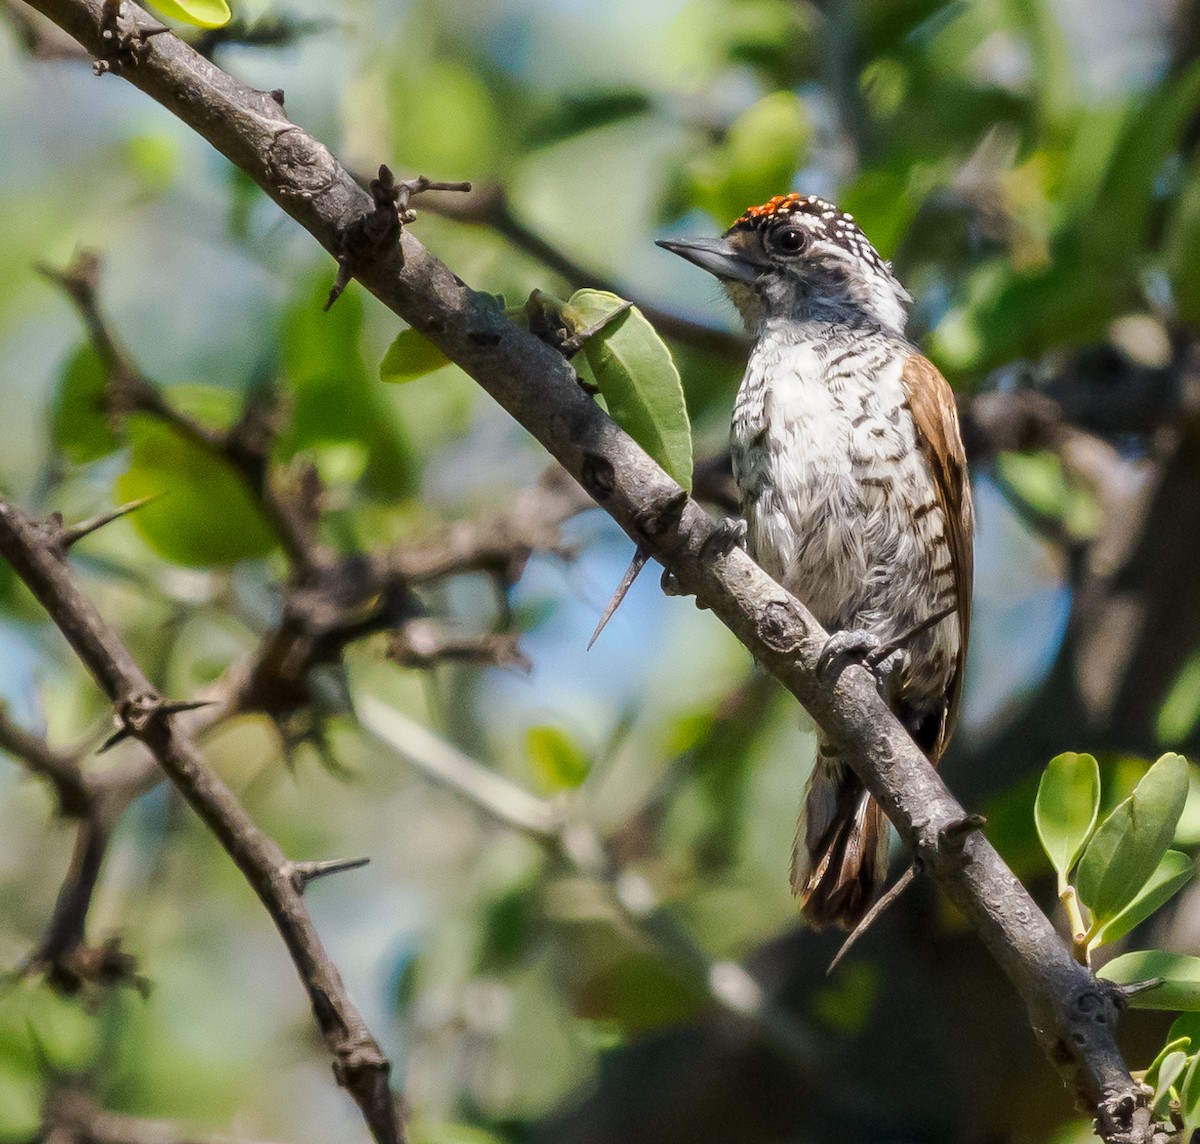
(1071, 1014)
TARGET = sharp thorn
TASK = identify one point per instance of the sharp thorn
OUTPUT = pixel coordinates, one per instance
(116, 737)
(640, 558)
(884, 650)
(1125, 992)
(902, 884)
(84, 528)
(304, 872)
(185, 705)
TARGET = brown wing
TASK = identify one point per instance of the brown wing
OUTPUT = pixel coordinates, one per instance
(936, 417)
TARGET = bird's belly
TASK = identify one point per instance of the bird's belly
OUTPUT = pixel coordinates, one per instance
(841, 509)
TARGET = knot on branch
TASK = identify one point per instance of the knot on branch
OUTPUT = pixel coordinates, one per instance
(362, 1070)
(123, 47)
(597, 475)
(87, 967)
(781, 627)
(661, 518)
(379, 229)
(953, 837)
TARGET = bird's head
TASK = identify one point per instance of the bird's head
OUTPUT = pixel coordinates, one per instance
(798, 256)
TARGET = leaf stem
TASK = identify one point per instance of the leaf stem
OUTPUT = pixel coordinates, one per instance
(1079, 928)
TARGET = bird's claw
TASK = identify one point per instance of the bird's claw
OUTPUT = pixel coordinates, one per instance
(729, 533)
(854, 645)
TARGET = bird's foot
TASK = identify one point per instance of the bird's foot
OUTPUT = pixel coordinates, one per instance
(855, 645)
(729, 533)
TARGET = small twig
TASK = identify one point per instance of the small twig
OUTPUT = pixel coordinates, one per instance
(72, 1116)
(60, 768)
(1079, 928)
(492, 793)
(424, 645)
(498, 543)
(270, 30)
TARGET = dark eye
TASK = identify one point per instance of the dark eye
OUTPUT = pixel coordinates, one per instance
(790, 240)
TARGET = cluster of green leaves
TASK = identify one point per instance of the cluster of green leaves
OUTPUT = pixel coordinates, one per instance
(1174, 1076)
(1113, 875)
(202, 513)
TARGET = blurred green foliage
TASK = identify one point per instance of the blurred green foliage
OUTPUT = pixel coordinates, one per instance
(1030, 194)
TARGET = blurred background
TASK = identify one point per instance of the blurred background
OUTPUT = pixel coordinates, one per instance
(1032, 170)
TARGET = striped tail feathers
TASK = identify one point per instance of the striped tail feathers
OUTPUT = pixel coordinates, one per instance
(839, 859)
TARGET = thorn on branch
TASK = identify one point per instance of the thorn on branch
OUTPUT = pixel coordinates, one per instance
(301, 873)
(869, 918)
(131, 47)
(640, 558)
(135, 715)
(953, 837)
(1123, 994)
(380, 228)
(76, 532)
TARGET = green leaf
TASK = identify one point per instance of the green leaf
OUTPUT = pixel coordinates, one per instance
(1185, 1026)
(200, 13)
(1181, 240)
(636, 375)
(337, 401)
(1180, 989)
(1189, 1099)
(1068, 801)
(411, 355)
(577, 113)
(1174, 1044)
(1169, 1071)
(1180, 710)
(846, 1003)
(203, 514)
(1130, 843)
(559, 762)
(452, 1134)
(1174, 872)
(642, 991)
(21, 1099)
(79, 420)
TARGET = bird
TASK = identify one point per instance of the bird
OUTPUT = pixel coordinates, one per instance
(855, 497)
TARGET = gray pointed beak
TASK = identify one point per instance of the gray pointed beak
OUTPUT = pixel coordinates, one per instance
(718, 256)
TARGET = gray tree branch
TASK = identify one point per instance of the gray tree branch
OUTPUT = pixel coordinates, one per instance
(359, 1064)
(1072, 1015)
